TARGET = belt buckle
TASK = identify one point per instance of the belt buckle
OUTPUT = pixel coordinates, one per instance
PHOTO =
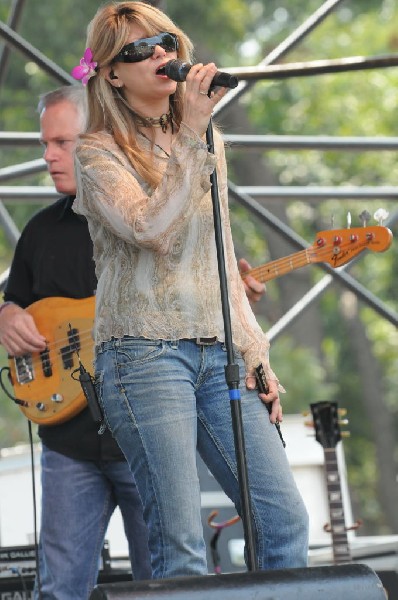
(203, 341)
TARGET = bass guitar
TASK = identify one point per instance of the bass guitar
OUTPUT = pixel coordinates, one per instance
(43, 383)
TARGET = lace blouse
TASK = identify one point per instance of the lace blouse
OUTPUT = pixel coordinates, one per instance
(154, 250)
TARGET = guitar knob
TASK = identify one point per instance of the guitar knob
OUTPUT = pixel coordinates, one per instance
(40, 406)
(57, 398)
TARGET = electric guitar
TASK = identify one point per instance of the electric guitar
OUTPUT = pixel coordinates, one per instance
(43, 383)
(327, 432)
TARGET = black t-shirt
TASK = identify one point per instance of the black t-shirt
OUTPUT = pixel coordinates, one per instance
(54, 257)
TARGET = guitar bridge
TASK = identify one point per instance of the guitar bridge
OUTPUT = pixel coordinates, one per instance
(24, 369)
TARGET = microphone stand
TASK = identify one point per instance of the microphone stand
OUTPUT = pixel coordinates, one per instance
(232, 371)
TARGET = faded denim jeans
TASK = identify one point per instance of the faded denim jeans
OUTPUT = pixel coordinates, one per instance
(78, 499)
(163, 400)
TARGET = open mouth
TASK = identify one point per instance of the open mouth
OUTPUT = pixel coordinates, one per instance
(161, 70)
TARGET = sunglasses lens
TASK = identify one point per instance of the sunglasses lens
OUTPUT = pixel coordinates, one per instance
(169, 42)
(144, 48)
(140, 52)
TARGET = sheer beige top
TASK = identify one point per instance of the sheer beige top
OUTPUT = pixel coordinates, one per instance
(154, 250)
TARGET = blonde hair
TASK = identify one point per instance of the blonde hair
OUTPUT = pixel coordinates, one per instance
(107, 33)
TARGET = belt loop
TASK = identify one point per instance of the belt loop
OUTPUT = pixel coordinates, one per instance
(174, 344)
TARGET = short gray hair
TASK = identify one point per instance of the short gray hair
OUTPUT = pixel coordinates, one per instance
(75, 94)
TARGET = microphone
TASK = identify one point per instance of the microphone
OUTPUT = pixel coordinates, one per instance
(178, 71)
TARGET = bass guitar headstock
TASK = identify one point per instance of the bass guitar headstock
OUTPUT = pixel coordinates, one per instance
(338, 246)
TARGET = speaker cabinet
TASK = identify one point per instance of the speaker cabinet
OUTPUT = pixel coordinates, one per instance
(353, 582)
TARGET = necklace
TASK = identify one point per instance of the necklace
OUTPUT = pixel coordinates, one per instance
(163, 121)
(155, 144)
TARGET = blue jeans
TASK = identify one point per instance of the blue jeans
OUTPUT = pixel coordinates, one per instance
(163, 400)
(78, 499)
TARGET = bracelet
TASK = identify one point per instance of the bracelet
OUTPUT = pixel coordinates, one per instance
(2, 306)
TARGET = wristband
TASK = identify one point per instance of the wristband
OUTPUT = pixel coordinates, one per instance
(2, 306)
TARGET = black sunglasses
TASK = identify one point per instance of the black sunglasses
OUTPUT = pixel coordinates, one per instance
(145, 47)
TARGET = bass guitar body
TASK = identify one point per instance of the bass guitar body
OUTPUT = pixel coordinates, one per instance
(46, 384)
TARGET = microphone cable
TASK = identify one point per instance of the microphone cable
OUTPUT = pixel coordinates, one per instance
(36, 545)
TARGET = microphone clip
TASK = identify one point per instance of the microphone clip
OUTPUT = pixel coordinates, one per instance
(87, 384)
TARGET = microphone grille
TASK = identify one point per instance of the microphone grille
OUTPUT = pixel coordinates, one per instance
(177, 69)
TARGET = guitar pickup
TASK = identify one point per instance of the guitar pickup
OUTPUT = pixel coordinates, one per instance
(67, 356)
(74, 339)
(74, 346)
(46, 365)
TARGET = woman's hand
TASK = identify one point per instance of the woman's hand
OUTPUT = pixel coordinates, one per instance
(272, 398)
(198, 106)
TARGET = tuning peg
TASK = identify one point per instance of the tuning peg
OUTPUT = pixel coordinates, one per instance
(345, 434)
(381, 215)
(343, 421)
(364, 217)
(342, 412)
(348, 220)
(309, 424)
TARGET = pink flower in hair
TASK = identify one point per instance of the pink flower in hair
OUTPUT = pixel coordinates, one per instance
(86, 68)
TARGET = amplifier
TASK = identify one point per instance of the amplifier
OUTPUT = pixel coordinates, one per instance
(17, 588)
(18, 571)
(17, 561)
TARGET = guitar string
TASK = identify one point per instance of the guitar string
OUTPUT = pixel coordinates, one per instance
(84, 337)
(297, 259)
